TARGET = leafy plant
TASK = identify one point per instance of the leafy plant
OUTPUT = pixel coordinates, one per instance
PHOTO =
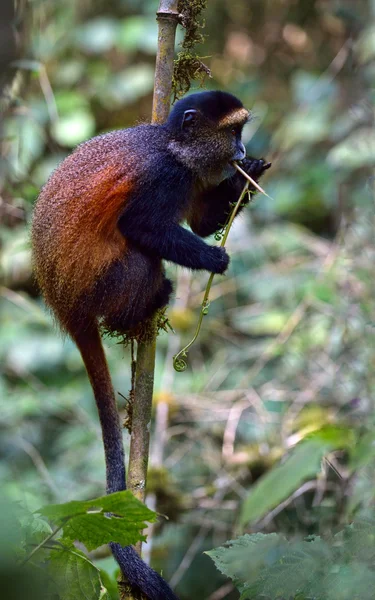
(339, 567)
(50, 558)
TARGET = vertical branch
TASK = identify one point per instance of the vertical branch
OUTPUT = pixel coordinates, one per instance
(167, 17)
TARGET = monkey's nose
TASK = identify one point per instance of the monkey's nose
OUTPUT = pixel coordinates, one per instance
(240, 152)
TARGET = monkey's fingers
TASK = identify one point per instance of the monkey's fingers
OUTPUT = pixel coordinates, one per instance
(250, 179)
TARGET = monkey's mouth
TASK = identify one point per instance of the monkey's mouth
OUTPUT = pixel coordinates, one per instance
(233, 163)
(241, 163)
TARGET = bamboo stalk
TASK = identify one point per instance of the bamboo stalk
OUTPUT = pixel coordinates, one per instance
(167, 17)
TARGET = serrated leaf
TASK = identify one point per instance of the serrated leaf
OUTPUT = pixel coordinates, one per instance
(35, 529)
(119, 503)
(242, 559)
(75, 577)
(117, 518)
(269, 566)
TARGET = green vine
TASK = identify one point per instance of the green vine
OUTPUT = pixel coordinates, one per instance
(179, 360)
(188, 65)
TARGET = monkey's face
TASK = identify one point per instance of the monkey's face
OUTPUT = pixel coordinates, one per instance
(208, 146)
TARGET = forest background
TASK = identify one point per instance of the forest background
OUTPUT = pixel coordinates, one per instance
(287, 349)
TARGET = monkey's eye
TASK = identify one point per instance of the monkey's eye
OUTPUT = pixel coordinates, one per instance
(189, 117)
(235, 131)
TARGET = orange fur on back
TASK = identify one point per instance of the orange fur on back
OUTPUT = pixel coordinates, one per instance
(74, 227)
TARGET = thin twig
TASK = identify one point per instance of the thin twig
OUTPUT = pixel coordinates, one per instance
(197, 541)
(39, 464)
(190, 554)
(230, 430)
(222, 591)
(250, 179)
(306, 487)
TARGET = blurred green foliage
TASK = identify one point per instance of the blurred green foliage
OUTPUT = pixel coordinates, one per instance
(287, 348)
(267, 566)
(50, 560)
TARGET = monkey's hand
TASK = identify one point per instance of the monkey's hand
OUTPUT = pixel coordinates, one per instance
(255, 168)
(217, 260)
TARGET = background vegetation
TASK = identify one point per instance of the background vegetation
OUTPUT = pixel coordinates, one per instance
(286, 354)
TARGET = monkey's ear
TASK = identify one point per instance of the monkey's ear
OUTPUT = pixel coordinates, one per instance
(188, 118)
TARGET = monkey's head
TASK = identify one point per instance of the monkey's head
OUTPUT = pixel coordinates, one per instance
(205, 131)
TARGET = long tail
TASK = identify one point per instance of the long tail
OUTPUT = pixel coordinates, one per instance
(140, 576)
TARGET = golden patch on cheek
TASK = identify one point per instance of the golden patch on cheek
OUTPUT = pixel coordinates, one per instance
(239, 115)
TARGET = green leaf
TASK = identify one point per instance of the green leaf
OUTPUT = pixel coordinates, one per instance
(324, 291)
(74, 128)
(25, 141)
(98, 35)
(269, 566)
(35, 529)
(307, 128)
(334, 437)
(243, 559)
(363, 453)
(129, 85)
(138, 32)
(365, 45)
(303, 463)
(110, 583)
(269, 323)
(310, 88)
(90, 522)
(75, 577)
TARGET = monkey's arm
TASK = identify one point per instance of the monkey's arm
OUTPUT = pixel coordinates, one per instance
(214, 205)
(150, 222)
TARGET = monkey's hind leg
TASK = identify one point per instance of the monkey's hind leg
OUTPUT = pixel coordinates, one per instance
(131, 292)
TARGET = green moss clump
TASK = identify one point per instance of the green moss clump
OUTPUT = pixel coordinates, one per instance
(188, 66)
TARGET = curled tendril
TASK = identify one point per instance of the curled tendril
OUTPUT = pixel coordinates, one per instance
(219, 234)
(205, 308)
(180, 362)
